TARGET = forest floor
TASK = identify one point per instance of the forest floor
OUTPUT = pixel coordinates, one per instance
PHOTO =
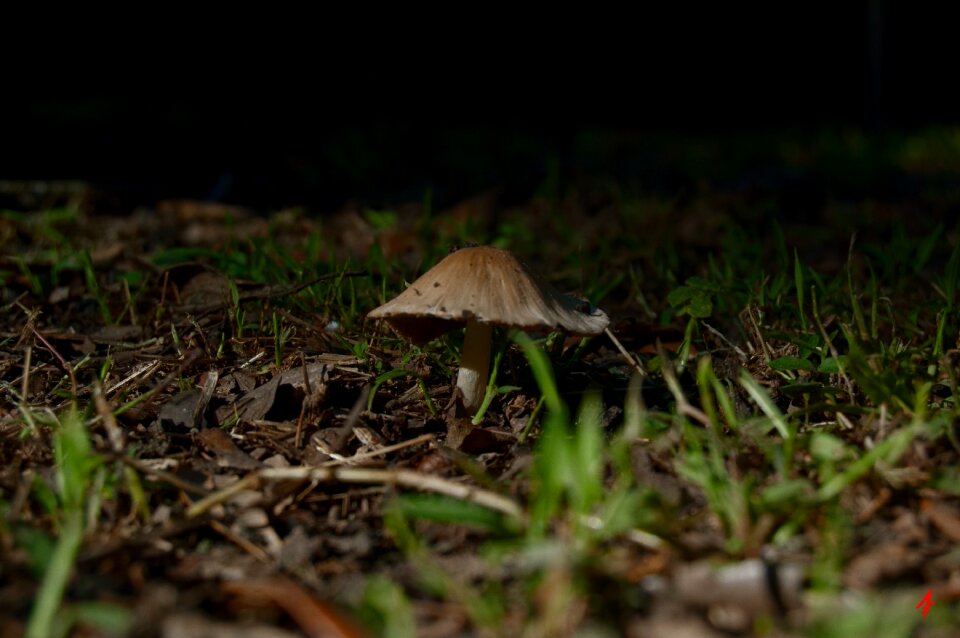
(202, 435)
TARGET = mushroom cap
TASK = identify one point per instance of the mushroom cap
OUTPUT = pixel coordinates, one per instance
(490, 286)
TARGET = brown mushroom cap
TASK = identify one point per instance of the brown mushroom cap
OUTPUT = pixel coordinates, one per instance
(489, 286)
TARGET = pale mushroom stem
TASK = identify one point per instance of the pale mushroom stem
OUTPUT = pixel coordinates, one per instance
(475, 364)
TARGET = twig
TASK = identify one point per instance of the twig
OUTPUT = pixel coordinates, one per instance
(16, 301)
(254, 550)
(423, 438)
(314, 398)
(764, 347)
(740, 353)
(402, 478)
(298, 437)
(27, 360)
(221, 496)
(145, 371)
(31, 327)
(166, 477)
(114, 433)
(626, 355)
(826, 338)
(636, 536)
(684, 407)
(152, 539)
(315, 618)
(189, 359)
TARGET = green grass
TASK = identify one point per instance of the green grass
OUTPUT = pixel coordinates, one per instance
(72, 503)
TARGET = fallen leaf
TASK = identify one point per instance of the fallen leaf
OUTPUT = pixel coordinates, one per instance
(220, 443)
(255, 405)
(885, 561)
(179, 411)
(945, 518)
(315, 618)
(198, 626)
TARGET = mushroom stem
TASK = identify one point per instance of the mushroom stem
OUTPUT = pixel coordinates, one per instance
(475, 364)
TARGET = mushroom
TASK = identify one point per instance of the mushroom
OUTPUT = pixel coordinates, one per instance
(479, 288)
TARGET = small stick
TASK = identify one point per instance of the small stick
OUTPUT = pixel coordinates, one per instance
(166, 477)
(637, 536)
(114, 433)
(254, 550)
(403, 478)
(683, 406)
(826, 338)
(423, 438)
(764, 348)
(27, 360)
(144, 371)
(220, 496)
(186, 361)
(308, 389)
(626, 355)
(63, 362)
(723, 338)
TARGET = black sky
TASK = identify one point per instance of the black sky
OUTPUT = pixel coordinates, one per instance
(335, 109)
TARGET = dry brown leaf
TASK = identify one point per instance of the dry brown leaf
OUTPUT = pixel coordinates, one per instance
(254, 405)
(220, 443)
(314, 617)
(882, 562)
(944, 518)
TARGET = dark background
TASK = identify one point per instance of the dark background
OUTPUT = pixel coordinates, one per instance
(338, 110)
